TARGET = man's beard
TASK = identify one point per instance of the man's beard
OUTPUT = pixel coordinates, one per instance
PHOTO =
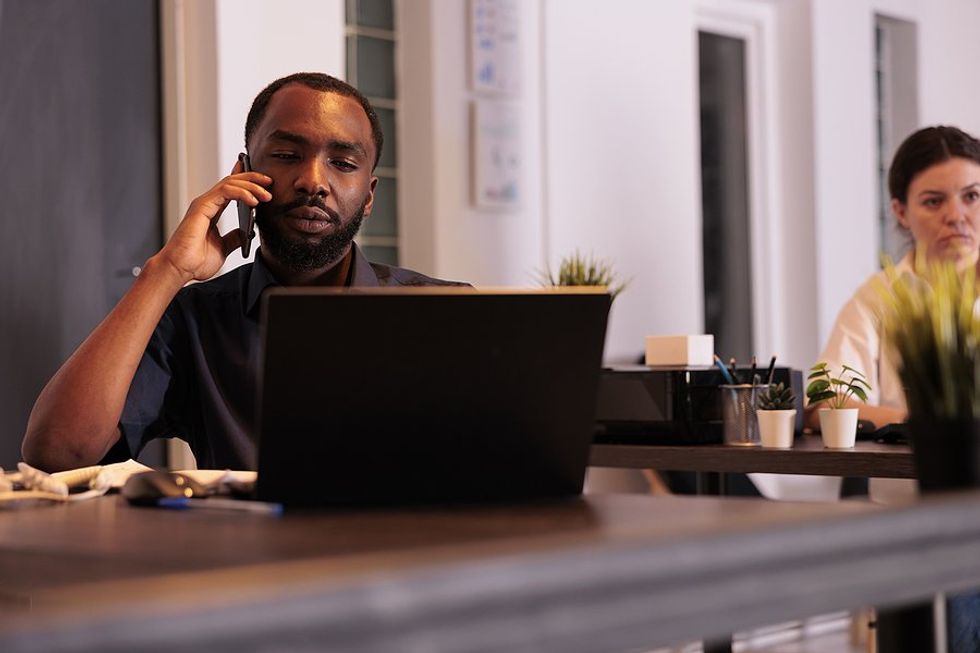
(298, 255)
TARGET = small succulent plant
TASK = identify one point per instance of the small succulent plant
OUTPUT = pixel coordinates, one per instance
(777, 397)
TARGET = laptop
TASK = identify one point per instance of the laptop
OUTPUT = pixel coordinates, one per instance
(381, 396)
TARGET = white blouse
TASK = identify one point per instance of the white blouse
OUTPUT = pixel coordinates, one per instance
(856, 340)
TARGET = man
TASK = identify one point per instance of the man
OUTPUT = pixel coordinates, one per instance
(170, 361)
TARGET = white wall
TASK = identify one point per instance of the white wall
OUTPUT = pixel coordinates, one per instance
(796, 257)
(604, 173)
(622, 157)
(949, 59)
(442, 233)
(845, 181)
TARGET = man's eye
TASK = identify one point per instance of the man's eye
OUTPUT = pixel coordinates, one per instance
(284, 155)
(346, 166)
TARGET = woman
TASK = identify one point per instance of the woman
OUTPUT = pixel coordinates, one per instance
(934, 183)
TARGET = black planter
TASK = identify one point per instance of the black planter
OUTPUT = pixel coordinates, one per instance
(946, 452)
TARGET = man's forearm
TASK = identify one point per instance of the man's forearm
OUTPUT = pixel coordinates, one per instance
(75, 419)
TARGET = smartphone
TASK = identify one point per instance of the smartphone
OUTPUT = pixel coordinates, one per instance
(246, 213)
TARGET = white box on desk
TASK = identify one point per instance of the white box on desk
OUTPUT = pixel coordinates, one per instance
(680, 350)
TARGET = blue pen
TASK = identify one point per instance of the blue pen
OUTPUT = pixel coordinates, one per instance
(724, 371)
(182, 503)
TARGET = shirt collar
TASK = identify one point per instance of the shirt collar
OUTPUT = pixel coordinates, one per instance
(363, 274)
(261, 277)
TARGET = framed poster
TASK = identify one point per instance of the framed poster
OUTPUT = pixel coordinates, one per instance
(495, 47)
(496, 154)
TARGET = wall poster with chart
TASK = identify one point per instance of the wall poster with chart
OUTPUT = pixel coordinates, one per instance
(496, 154)
(495, 47)
(495, 79)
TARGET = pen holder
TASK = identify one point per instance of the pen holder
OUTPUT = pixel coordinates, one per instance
(738, 404)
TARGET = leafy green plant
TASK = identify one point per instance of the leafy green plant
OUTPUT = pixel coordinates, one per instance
(932, 319)
(777, 397)
(579, 270)
(836, 390)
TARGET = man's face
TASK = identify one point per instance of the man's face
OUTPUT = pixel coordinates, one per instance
(318, 149)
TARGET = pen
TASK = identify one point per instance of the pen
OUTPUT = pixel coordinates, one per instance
(211, 503)
(752, 374)
(724, 372)
(772, 369)
(731, 368)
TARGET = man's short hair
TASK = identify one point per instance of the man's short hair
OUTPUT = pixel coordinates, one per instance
(318, 82)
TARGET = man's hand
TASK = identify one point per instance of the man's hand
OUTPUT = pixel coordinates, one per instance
(196, 250)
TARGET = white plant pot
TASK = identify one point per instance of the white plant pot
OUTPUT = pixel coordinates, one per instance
(776, 427)
(838, 427)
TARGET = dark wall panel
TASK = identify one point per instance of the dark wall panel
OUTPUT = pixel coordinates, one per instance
(80, 173)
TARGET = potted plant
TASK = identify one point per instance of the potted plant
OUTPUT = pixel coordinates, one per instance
(579, 270)
(838, 421)
(776, 412)
(932, 320)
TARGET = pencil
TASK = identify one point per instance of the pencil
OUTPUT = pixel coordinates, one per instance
(772, 369)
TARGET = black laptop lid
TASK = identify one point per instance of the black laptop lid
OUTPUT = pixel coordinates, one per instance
(379, 396)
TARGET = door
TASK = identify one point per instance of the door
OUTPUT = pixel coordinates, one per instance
(80, 189)
(726, 236)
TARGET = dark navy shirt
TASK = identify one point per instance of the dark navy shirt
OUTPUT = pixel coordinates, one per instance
(197, 378)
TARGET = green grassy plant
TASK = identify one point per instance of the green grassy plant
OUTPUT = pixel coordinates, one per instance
(932, 319)
(579, 270)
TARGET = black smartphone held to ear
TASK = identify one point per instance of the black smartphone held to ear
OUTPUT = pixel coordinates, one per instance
(246, 213)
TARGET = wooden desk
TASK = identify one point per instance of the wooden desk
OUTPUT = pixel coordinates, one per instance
(592, 574)
(808, 456)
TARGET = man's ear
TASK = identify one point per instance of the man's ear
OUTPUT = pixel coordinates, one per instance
(901, 213)
(370, 202)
